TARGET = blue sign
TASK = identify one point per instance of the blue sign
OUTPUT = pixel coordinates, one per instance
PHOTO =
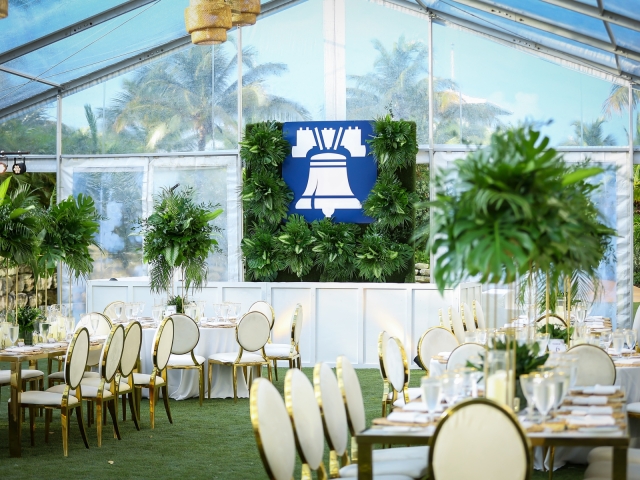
(330, 169)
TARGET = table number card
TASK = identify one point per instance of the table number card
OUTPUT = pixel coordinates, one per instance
(557, 345)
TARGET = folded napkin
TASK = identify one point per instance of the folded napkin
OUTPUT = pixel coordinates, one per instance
(51, 345)
(592, 400)
(624, 350)
(601, 390)
(595, 324)
(595, 317)
(419, 407)
(628, 361)
(582, 411)
(592, 421)
(23, 349)
(444, 354)
(408, 417)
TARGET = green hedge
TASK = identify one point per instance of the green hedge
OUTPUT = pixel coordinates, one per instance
(281, 248)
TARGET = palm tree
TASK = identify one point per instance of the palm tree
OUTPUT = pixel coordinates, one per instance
(399, 82)
(172, 102)
(590, 134)
(618, 100)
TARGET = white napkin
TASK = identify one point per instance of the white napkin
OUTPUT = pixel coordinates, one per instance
(582, 411)
(628, 361)
(592, 421)
(408, 417)
(419, 407)
(624, 350)
(601, 390)
(23, 349)
(50, 345)
(444, 354)
(593, 400)
(595, 317)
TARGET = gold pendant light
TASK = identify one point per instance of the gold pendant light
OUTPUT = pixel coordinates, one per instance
(4, 8)
(244, 12)
(207, 21)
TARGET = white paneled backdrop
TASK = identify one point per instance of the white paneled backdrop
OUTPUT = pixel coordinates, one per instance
(339, 318)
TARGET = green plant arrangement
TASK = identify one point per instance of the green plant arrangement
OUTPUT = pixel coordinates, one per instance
(177, 301)
(390, 203)
(295, 245)
(262, 255)
(377, 257)
(334, 248)
(263, 146)
(178, 236)
(27, 317)
(266, 197)
(556, 331)
(395, 143)
(528, 358)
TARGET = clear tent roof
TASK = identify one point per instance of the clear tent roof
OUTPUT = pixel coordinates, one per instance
(47, 46)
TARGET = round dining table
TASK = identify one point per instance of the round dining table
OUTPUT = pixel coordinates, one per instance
(184, 384)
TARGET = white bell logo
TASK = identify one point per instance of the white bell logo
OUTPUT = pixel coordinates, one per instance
(328, 186)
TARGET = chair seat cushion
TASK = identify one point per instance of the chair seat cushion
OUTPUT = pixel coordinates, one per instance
(57, 375)
(144, 379)
(184, 360)
(278, 350)
(603, 470)
(401, 453)
(91, 375)
(413, 394)
(5, 375)
(605, 454)
(230, 357)
(35, 397)
(88, 391)
(415, 468)
(95, 382)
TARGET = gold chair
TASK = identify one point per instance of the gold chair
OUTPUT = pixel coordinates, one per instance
(110, 310)
(287, 351)
(457, 325)
(554, 319)
(397, 369)
(66, 402)
(495, 445)
(252, 333)
(103, 390)
(468, 318)
(382, 346)
(182, 352)
(434, 341)
(462, 353)
(478, 314)
(162, 343)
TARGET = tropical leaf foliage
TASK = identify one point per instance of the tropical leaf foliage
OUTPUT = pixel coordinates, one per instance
(263, 146)
(377, 257)
(334, 248)
(295, 245)
(18, 224)
(262, 257)
(178, 235)
(389, 202)
(266, 197)
(394, 145)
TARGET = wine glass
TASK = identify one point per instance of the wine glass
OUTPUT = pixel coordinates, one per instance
(94, 320)
(14, 332)
(563, 380)
(605, 340)
(526, 382)
(44, 331)
(481, 336)
(135, 308)
(128, 311)
(631, 338)
(141, 307)
(450, 388)
(70, 326)
(156, 313)
(617, 342)
(217, 311)
(431, 394)
(119, 310)
(543, 342)
(544, 395)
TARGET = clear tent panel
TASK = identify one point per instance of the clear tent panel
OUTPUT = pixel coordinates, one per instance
(33, 131)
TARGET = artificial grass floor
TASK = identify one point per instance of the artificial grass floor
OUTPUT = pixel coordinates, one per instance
(214, 441)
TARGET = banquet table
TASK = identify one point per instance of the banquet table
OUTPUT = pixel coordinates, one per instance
(184, 384)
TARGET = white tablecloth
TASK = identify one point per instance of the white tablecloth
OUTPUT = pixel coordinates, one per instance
(184, 383)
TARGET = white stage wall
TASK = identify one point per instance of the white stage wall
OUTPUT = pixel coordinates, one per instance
(339, 318)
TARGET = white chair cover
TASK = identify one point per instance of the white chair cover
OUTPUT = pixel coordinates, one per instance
(456, 323)
(189, 335)
(273, 431)
(76, 361)
(131, 349)
(104, 324)
(494, 445)
(479, 314)
(434, 341)
(352, 394)
(331, 406)
(396, 364)
(297, 324)
(266, 309)
(253, 331)
(162, 342)
(112, 352)
(468, 319)
(595, 366)
(462, 353)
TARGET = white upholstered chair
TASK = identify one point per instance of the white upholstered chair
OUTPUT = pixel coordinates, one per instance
(266, 309)
(306, 419)
(595, 366)
(383, 338)
(456, 324)
(462, 353)
(356, 419)
(478, 314)
(468, 318)
(182, 355)
(103, 390)
(495, 446)
(287, 351)
(252, 333)
(110, 310)
(66, 402)
(162, 343)
(446, 324)
(397, 369)
(434, 341)
(334, 419)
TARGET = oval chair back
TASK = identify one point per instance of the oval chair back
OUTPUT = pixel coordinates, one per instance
(253, 331)
(162, 344)
(110, 310)
(383, 339)
(434, 341)
(272, 429)
(104, 328)
(266, 309)
(296, 325)
(305, 417)
(334, 416)
(112, 353)
(131, 349)
(397, 367)
(352, 395)
(478, 314)
(468, 319)
(189, 334)
(462, 353)
(636, 322)
(456, 324)
(76, 360)
(595, 366)
(495, 446)
(554, 319)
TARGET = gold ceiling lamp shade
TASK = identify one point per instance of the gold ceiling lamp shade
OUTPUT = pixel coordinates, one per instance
(4, 8)
(244, 12)
(207, 21)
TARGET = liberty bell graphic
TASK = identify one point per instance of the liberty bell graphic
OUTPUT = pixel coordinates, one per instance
(328, 186)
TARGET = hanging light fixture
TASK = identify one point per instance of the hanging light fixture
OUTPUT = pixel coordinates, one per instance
(19, 168)
(244, 12)
(3, 166)
(208, 21)
(4, 8)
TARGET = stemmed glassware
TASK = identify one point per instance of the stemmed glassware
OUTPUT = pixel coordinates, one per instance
(630, 338)
(70, 326)
(94, 320)
(617, 342)
(141, 306)
(544, 395)
(450, 384)
(563, 380)
(605, 340)
(526, 383)
(14, 332)
(156, 313)
(217, 311)
(431, 394)
(119, 310)
(543, 342)
(128, 311)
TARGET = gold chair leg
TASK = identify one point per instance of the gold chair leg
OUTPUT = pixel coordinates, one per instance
(64, 421)
(275, 367)
(124, 408)
(99, 421)
(235, 385)
(201, 371)
(134, 414)
(83, 431)
(153, 392)
(165, 397)
(113, 411)
(32, 425)
(552, 454)
(269, 372)
(47, 422)
(209, 375)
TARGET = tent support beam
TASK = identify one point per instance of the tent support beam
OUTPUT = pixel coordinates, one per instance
(550, 28)
(27, 76)
(595, 12)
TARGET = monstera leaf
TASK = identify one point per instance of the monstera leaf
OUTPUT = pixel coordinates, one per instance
(263, 260)
(295, 245)
(334, 248)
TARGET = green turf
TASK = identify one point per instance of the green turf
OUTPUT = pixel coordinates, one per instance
(215, 441)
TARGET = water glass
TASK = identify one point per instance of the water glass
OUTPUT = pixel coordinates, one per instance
(135, 309)
(617, 342)
(119, 310)
(580, 312)
(94, 321)
(451, 383)
(522, 335)
(605, 339)
(14, 332)
(481, 337)
(45, 327)
(217, 311)
(470, 337)
(569, 364)
(70, 326)
(526, 384)
(156, 314)
(563, 380)
(630, 338)
(128, 311)
(542, 340)
(431, 394)
(141, 306)
(544, 394)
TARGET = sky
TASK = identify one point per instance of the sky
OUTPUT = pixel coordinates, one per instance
(527, 86)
